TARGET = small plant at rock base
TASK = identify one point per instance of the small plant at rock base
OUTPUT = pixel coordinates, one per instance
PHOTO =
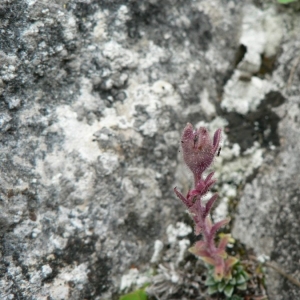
(227, 286)
(225, 273)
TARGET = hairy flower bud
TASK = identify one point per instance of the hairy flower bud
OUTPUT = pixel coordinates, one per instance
(199, 149)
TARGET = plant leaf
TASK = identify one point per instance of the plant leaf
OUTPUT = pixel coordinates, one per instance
(242, 286)
(246, 276)
(221, 286)
(223, 242)
(216, 140)
(231, 261)
(210, 281)
(218, 225)
(212, 289)
(219, 272)
(209, 177)
(136, 295)
(210, 204)
(199, 249)
(228, 291)
(240, 279)
(182, 198)
(286, 1)
(208, 260)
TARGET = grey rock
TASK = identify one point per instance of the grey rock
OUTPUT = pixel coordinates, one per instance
(94, 96)
(267, 215)
(4, 121)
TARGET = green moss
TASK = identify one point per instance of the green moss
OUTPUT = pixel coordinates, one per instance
(286, 1)
(136, 295)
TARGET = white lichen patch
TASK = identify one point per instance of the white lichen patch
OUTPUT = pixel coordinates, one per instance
(158, 247)
(119, 57)
(178, 244)
(180, 230)
(149, 59)
(154, 97)
(100, 29)
(78, 135)
(261, 35)
(149, 127)
(134, 278)
(230, 152)
(171, 138)
(206, 106)
(221, 211)
(58, 242)
(109, 161)
(216, 123)
(128, 187)
(237, 170)
(70, 29)
(184, 244)
(60, 288)
(262, 31)
(244, 96)
(46, 270)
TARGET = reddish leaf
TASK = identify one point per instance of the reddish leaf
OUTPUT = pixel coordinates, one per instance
(182, 198)
(217, 139)
(210, 204)
(218, 225)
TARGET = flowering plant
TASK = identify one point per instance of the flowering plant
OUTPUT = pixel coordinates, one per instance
(199, 151)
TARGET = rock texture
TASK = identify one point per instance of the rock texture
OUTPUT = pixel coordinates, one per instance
(267, 214)
(94, 95)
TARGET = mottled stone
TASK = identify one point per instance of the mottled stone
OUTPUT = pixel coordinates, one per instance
(94, 97)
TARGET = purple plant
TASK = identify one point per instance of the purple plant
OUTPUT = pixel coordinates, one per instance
(199, 151)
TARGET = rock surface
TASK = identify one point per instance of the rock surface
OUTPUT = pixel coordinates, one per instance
(94, 95)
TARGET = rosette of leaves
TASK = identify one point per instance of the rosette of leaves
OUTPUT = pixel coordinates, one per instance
(238, 281)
